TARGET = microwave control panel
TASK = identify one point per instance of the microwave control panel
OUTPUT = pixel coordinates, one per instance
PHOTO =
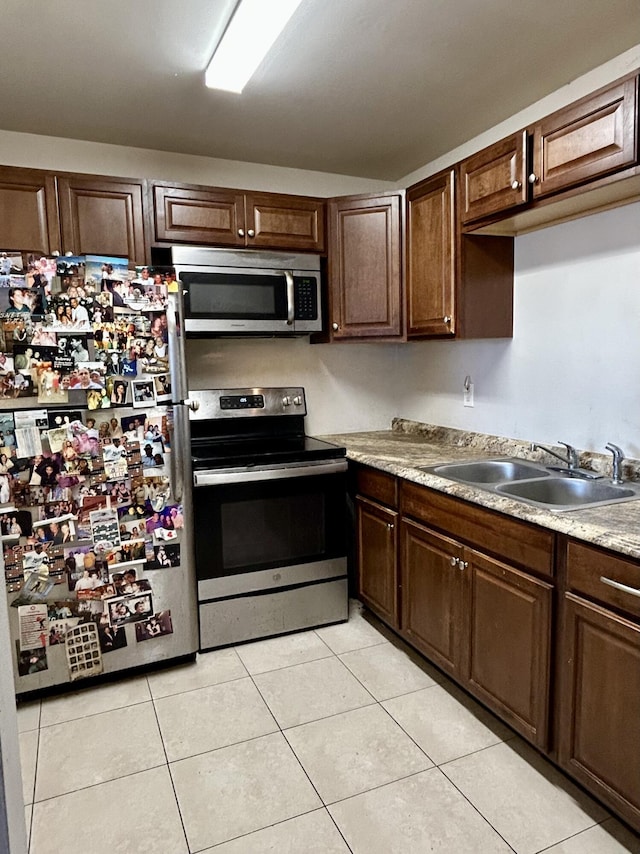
(306, 298)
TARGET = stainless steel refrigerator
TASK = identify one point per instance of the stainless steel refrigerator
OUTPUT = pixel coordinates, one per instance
(95, 483)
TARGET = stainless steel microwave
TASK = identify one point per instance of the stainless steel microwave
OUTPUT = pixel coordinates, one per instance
(233, 292)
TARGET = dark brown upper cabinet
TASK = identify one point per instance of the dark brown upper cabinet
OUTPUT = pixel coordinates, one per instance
(29, 210)
(589, 139)
(494, 179)
(212, 216)
(579, 159)
(82, 214)
(102, 216)
(457, 285)
(431, 257)
(365, 267)
(289, 222)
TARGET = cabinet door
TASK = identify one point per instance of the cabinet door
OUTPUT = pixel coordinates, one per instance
(507, 659)
(198, 215)
(600, 704)
(28, 210)
(377, 559)
(365, 267)
(284, 222)
(102, 216)
(593, 137)
(431, 238)
(494, 180)
(431, 595)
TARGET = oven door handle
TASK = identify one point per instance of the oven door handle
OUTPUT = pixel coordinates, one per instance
(291, 303)
(224, 477)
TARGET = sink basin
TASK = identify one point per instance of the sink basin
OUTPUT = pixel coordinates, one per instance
(532, 483)
(488, 471)
(560, 493)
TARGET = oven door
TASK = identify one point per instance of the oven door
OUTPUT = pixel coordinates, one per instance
(269, 528)
(229, 301)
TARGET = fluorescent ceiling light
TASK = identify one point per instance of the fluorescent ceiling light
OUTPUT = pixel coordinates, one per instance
(255, 26)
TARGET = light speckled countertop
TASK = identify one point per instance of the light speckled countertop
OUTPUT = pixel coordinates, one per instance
(410, 444)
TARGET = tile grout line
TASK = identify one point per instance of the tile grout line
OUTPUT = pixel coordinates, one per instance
(199, 688)
(295, 755)
(100, 783)
(574, 835)
(86, 689)
(168, 766)
(483, 817)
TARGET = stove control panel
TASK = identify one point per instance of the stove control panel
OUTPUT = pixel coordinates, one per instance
(242, 401)
(246, 402)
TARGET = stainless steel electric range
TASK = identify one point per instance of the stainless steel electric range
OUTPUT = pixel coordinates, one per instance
(270, 514)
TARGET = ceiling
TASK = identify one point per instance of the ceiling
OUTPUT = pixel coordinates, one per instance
(371, 88)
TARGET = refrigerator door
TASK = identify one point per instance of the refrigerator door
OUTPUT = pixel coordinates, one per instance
(65, 630)
(172, 587)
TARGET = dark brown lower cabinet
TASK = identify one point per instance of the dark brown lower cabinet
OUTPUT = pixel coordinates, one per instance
(377, 532)
(486, 623)
(599, 737)
(477, 597)
(432, 595)
(508, 651)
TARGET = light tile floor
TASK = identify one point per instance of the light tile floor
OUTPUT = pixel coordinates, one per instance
(325, 742)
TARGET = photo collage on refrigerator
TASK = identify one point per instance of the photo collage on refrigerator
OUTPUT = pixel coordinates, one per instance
(86, 516)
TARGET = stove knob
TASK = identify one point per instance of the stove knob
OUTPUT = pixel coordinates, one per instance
(297, 400)
(286, 401)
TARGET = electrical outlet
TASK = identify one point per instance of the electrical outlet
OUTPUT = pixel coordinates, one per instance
(467, 396)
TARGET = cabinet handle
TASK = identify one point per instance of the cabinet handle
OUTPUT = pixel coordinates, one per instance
(241, 232)
(516, 185)
(533, 178)
(624, 587)
(390, 526)
(463, 564)
(335, 327)
(446, 319)
(251, 233)
(454, 560)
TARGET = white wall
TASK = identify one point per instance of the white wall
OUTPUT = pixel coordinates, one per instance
(572, 370)
(74, 155)
(349, 387)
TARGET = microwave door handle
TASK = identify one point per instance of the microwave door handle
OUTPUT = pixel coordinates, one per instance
(290, 297)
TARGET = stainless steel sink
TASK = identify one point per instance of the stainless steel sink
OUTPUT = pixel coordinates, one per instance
(533, 484)
(488, 471)
(563, 493)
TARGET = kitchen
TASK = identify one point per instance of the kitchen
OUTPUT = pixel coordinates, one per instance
(547, 383)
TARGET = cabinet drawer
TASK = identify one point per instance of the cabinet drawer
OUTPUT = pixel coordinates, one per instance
(376, 484)
(610, 579)
(512, 541)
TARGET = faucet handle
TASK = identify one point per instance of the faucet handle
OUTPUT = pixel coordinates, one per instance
(572, 455)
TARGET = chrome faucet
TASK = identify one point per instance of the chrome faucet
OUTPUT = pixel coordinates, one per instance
(618, 458)
(571, 459)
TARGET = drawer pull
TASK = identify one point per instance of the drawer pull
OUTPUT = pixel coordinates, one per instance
(624, 587)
